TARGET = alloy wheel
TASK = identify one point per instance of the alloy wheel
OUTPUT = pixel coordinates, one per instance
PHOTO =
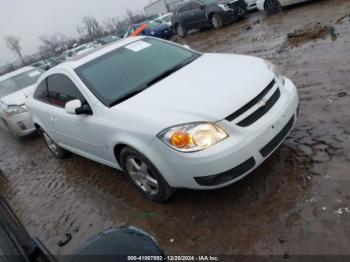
(216, 21)
(180, 31)
(141, 174)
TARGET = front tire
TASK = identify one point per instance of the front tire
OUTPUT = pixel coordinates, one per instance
(216, 21)
(145, 176)
(181, 31)
(54, 148)
(272, 6)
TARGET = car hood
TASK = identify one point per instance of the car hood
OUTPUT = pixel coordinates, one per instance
(208, 89)
(19, 97)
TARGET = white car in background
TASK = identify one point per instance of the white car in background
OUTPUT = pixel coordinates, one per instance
(275, 6)
(170, 117)
(164, 19)
(251, 4)
(15, 87)
(79, 50)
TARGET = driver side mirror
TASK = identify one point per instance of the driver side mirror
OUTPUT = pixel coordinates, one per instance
(72, 106)
(202, 7)
(76, 108)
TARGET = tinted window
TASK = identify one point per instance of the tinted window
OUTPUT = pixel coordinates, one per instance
(41, 92)
(121, 72)
(195, 6)
(209, 2)
(62, 90)
(185, 8)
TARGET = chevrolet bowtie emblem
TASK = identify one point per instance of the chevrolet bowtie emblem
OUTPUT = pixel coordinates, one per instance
(262, 103)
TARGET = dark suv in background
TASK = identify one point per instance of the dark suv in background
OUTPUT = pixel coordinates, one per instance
(195, 14)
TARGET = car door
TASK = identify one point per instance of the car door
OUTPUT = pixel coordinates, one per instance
(186, 16)
(199, 15)
(77, 133)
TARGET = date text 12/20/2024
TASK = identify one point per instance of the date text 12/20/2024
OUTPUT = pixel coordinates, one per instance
(173, 258)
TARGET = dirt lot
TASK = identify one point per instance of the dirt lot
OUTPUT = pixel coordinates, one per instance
(298, 202)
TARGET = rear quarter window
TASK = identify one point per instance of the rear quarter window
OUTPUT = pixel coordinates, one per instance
(41, 92)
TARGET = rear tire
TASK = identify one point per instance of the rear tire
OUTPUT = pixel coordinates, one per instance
(145, 176)
(272, 6)
(54, 148)
(216, 21)
(181, 31)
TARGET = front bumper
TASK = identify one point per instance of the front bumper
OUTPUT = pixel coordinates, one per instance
(233, 158)
(238, 9)
(21, 124)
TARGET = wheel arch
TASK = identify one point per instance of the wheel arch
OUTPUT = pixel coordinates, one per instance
(135, 144)
(117, 150)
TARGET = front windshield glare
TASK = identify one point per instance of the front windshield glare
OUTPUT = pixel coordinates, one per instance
(129, 68)
(19, 81)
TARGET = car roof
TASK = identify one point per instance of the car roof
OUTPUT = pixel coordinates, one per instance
(16, 72)
(187, 2)
(95, 53)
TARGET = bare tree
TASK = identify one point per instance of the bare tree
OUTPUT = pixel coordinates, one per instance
(92, 27)
(130, 15)
(81, 31)
(111, 25)
(54, 43)
(13, 43)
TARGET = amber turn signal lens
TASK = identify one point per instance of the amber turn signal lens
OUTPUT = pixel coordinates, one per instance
(180, 139)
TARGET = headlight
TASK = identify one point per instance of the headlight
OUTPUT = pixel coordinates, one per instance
(193, 137)
(277, 72)
(153, 33)
(224, 7)
(14, 110)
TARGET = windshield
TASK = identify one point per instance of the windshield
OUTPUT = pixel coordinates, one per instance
(166, 18)
(132, 67)
(19, 81)
(209, 2)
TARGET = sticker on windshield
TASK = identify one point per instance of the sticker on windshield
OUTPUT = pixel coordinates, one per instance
(138, 46)
(34, 73)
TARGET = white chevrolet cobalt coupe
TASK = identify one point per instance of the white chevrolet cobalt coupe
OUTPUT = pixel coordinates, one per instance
(170, 117)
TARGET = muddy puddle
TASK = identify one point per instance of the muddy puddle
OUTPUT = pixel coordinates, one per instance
(296, 203)
(311, 33)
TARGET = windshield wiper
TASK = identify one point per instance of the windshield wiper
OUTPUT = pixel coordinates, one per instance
(167, 73)
(151, 82)
(127, 96)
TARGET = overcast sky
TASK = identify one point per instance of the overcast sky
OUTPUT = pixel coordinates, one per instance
(30, 19)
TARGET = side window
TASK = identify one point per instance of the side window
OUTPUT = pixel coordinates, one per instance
(195, 6)
(62, 90)
(41, 92)
(185, 8)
